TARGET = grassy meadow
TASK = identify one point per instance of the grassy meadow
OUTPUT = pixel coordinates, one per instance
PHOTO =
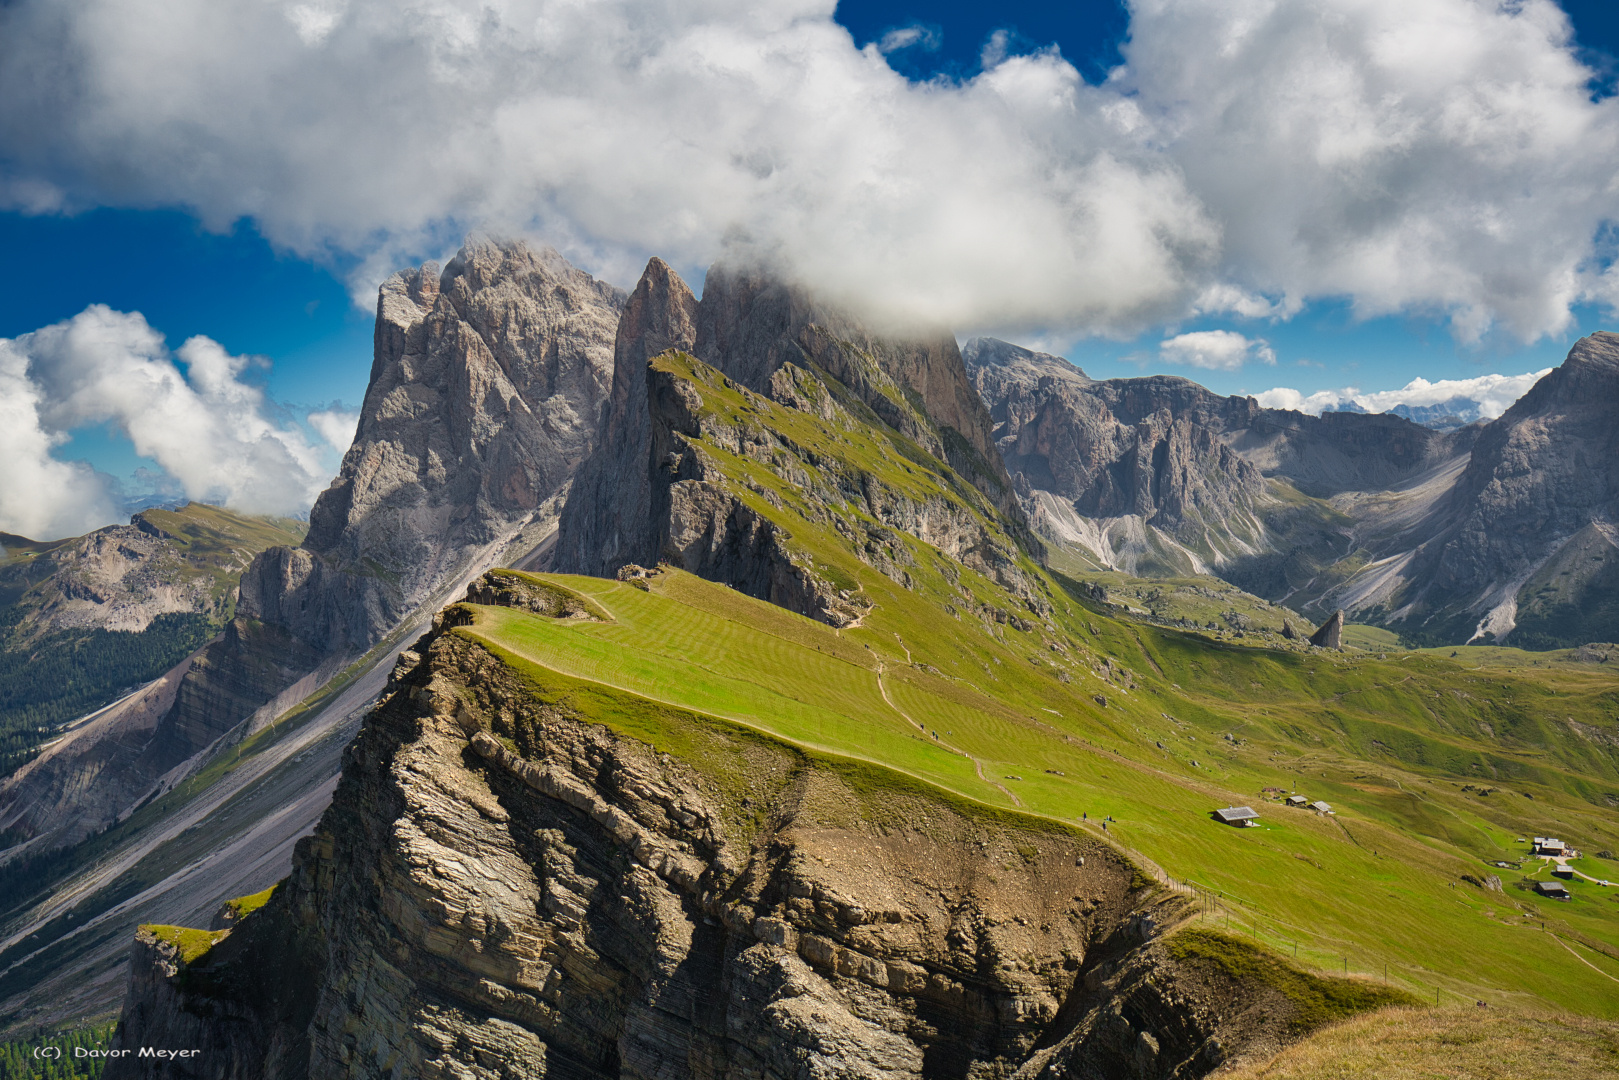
(1050, 701)
(1378, 883)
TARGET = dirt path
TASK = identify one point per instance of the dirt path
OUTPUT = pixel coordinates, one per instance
(978, 766)
(1580, 958)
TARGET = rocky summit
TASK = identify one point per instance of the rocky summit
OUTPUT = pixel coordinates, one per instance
(486, 392)
(773, 339)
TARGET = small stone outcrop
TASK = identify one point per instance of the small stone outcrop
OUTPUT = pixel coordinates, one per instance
(1330, 634)
(511, 589)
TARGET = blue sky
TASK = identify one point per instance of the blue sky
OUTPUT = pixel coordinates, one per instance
(146, 249)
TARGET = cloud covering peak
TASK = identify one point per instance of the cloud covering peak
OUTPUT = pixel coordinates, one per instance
(1412, 155)
(190, 412)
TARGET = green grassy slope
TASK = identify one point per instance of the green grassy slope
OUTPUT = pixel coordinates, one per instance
(1375, 883)
(1435, 763)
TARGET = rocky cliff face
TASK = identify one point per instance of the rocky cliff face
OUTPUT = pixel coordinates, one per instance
(752, 327)
(607, 522)
(504, 889)
(1160, 476)
(739, 483)
(751, 323)
(1532, 515)
(486, 391)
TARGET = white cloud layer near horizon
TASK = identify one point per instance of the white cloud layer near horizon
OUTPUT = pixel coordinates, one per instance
(1489, 395)
(1441, 157)
(212, 433)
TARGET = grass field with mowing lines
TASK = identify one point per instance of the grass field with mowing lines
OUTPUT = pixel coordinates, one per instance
(1359, 885)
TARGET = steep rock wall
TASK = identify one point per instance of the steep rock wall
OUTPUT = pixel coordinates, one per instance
(719, 526)
(606, 522)
(751, 322)
(486, 392)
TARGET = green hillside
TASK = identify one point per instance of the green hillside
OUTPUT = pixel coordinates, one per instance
(1434, 763)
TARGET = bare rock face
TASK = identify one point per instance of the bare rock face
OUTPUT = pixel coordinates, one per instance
(605, 524)
(1158, 475)
(486, 393)
(117, 578)
(750, 323)
(641, 497)
(1534, 550)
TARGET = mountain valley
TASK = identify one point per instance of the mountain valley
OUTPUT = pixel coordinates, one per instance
(722, 687)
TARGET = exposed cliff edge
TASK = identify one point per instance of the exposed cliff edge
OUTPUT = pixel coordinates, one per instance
(505, 887)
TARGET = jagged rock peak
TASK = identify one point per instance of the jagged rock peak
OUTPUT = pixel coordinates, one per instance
(486, 392)
(1003, 361)
(605, 523)
(751, 322)
(1536, 506)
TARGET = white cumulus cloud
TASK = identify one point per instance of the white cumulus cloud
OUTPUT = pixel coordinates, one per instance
(40, 497)
(1214, 350)
(1429, 156)
(190, 412)
(335, 426)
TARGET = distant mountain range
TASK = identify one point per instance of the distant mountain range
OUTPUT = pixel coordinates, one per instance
(1443, 532)
(1443, 416)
